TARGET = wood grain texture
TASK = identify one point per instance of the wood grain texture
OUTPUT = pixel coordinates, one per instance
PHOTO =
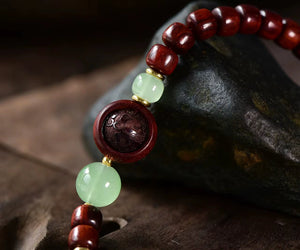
(39, 198)
(46, 123)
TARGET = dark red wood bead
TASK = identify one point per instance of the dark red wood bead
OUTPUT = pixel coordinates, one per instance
(228, 20)
(203, 23)
(179, 38)
(271, 25)
(87, 215)
(162, 59)
(290, 35)
(83, 236)
(250, 18)
(296, 51)
(125, 130)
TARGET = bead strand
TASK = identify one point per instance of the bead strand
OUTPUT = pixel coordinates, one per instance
(125, 131)
(85, 227)
(223, 21)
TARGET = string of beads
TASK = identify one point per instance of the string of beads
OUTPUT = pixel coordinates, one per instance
(125, 131)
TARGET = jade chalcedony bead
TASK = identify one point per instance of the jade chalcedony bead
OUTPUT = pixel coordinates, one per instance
(98, 184)
(148, 87)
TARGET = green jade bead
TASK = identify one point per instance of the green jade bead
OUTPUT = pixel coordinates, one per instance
(98, 184)
(148, 87)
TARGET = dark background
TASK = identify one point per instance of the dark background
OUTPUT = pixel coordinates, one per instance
(44, 42)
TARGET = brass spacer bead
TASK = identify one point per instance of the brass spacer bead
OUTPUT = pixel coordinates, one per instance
(141, 100)
(154, 73)
(81, 248)
(106, 161)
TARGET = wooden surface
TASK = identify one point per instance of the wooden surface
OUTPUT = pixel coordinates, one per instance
(41, 151)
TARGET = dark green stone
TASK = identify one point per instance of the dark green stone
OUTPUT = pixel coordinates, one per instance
(229, 121)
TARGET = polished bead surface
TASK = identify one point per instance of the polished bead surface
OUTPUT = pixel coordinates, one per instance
(148, 87)
(271, 25)
(290, 35)
(179, 38)
(228, 20)
(203, 23)
(98, 184)
(83, 236)
(250, 18)
(87, 215)
(125, 131)
(162, 59)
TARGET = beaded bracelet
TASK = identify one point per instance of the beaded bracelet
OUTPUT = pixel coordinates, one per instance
(125, 131)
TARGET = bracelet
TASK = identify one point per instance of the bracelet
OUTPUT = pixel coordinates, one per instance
(125, 131)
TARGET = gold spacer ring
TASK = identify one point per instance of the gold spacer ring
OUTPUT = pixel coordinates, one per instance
(154, 73)
(140, 100)
(106, 161)
(81, 248)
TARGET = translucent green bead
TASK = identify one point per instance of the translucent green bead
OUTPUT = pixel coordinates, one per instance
(98, 184)
(148, 87)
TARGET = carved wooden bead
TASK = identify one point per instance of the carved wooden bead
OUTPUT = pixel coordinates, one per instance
(250, 18)
(125, 130)
(179, 38)
(290, 35)
(162, 59)
(87, 215)
(83, 236)
(271, 25)
(228, 20)
(203, 23)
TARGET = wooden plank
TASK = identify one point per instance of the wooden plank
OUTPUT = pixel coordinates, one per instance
(37, 201)
(46, 123)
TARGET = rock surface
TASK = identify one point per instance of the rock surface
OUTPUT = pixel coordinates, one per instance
(229, 121)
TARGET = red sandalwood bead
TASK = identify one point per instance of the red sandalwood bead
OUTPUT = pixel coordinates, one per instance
(203, 23)
(228, 20)
(250, 18)
(296, 51)
(125, 124)
(87, 215)
(179, 38)
(83, 236)
(162, 59)
(271, 25)
(290, 35)
(126, 130)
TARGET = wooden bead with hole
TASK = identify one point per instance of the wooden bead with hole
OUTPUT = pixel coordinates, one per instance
(87, 215)
(290, 35)
(228, 20)
(83, 236)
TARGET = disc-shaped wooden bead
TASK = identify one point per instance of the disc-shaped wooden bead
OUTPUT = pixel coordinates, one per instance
(250, 18)
(228, 20)
(125, 130)
(203, 23)
(290, 35)
(162, 59)
(83, 236)
(271, 25)
(179, 38)
(87, 215)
